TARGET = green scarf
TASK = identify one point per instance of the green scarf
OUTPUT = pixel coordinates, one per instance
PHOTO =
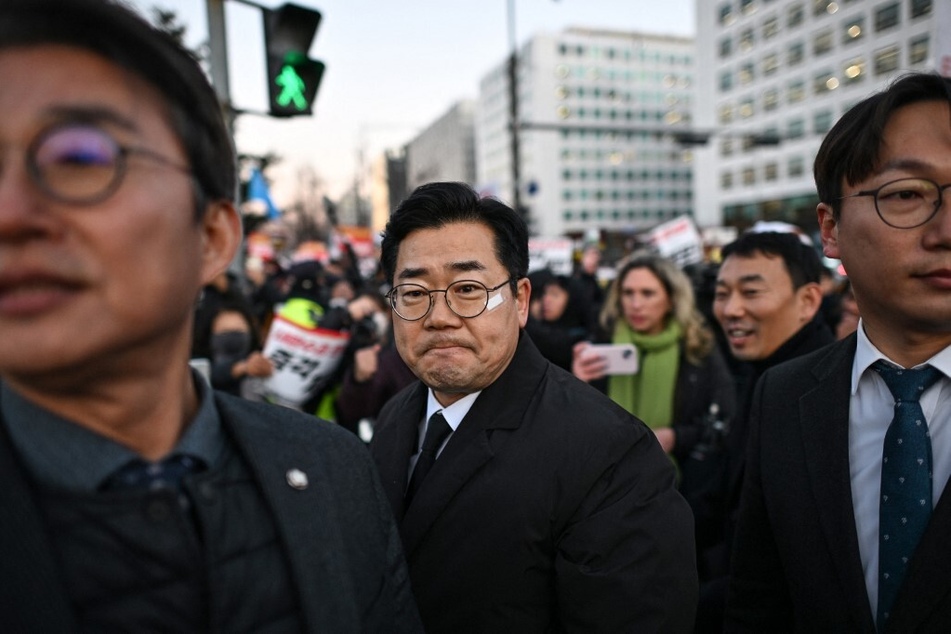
(649, 394)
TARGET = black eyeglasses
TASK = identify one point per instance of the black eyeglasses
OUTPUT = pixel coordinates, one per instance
(466, 298)
(907, 202)
(81, 164)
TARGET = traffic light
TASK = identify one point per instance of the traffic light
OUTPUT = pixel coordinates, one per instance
(292, 77)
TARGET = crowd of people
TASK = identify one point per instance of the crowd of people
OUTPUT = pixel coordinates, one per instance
(755, 445)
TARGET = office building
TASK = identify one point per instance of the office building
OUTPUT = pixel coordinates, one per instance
(596, 112)
(773, 77)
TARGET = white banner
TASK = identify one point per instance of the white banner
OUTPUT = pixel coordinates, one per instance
(678, 240)
(553, 253)
(301, 357)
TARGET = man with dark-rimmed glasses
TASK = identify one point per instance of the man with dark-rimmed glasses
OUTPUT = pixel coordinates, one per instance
(133, 497)
(845, 511)
(527, 500)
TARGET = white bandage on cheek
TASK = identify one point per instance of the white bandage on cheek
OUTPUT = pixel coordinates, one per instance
(494, 301)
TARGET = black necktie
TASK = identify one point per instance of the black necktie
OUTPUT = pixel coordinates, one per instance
(905, 502)
(436, 432)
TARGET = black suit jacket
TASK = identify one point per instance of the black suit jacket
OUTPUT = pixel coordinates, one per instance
(796, 563)
(550, 509)
(339, 534)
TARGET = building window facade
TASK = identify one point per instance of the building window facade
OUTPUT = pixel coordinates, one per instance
(747, 39)
(918, 49)
(749, 176)
(887, 17)
(796, 92)
(920, 8)
(853, 30)
(726, 13)
(822, 42)
(795, 129)
(795, 15)
(822, 121)
(886, 60)
(795, 54)
(726, 81)
(824, 82)
(726, 47)
(795, 166)
(746, 74)
(854, 70)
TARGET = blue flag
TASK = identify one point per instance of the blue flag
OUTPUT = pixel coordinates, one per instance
(258, 190)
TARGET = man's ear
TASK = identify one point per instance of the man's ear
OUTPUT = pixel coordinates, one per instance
(523, 295)
(829, 230)
(810, 299)
(221, 237)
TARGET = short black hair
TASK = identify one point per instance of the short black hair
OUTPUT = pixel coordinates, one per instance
(436, 205)
(801, 260)
(849, 153)
(125, 38)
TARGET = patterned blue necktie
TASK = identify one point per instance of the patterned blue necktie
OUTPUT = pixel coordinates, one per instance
(905, 503)
(139, 475)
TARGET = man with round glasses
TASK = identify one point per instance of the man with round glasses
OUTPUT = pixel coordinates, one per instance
(527, 500)
(845, 511)
(134, 498)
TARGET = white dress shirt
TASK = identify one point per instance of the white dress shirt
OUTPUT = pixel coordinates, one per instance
(453, 415)
(871, 408)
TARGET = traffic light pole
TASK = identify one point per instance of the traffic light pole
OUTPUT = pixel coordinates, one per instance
(218, 57)
(513, 115)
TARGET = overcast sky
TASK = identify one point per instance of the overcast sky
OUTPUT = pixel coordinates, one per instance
(393, 67)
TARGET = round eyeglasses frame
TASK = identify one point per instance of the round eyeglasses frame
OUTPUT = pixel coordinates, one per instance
(110, 185)
(874, 193)
(391, 295)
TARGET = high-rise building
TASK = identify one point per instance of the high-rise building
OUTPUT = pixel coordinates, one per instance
(775, 75)
(596, 113)
(444, 150)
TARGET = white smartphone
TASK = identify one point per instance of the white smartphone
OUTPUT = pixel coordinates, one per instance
(621, 357)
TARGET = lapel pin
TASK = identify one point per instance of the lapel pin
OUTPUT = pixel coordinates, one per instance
(297, 479)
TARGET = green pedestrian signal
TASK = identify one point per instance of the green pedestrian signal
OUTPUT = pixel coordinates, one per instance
(292, 89)
(293, 77)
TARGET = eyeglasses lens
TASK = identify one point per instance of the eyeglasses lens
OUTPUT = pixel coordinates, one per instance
(76, 163)
(908, 202)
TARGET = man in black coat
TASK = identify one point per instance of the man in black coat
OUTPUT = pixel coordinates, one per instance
(546, 507)
(766, 300)
(840, 527)
(134, 498)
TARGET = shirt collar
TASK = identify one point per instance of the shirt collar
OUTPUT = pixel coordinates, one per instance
(455, 412)
(61, 454)
(866, 354)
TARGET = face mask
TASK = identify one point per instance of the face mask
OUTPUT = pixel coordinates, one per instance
(231, 343)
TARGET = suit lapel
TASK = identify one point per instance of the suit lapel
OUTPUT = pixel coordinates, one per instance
(824, 419)
(32, 597)
(500, 406)
(395, 442)
(305, 517)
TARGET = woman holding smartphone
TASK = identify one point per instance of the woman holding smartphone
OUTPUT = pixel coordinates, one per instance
(681, 373)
